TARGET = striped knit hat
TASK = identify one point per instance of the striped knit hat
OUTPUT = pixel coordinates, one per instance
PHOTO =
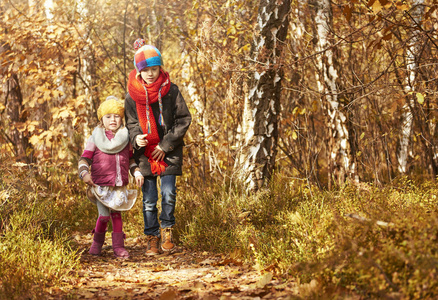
(146, 56)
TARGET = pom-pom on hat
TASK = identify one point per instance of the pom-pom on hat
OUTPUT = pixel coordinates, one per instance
(146, 56)
(111, 105)
(139, 43)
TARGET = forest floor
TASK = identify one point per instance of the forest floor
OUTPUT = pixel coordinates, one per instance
(183, 274)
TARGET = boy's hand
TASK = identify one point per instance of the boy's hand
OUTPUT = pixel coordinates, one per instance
(141, 140)
(158, 154)
(87, 179)
(139, 180)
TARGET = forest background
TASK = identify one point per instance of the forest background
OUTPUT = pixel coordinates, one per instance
(312, 151)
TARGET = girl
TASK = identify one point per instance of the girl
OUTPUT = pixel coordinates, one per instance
(157, 118)
(109, 154)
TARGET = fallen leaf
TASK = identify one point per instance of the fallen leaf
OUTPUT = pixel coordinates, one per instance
(86, 294)
(117, 293)
(264, 280)
(169, 295)
(206, 262)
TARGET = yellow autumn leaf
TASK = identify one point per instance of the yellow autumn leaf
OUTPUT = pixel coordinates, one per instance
(20, 126)
(65, 114)
(264, 280)
(6, 146)
(35, 139)
(377, 7)
(247, 47)
(62, 154)
(70, 66)
(31, 127)
(296, 109)
(76, 121)
(294, 135)
(401, 6)
(231, 30)
(314, 106)
(420, 98)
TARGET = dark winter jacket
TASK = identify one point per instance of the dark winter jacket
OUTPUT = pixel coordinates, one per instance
(177, 119)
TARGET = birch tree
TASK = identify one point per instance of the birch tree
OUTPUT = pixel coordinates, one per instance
(262, 104)
(340, 163)
(87, 63)
(195, 92)
(411, 68)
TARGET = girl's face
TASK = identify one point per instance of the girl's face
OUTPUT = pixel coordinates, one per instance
(112, 122)
(150, 74)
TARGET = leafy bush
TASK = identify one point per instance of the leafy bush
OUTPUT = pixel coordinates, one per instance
(30, 259)
(361, 240)
(35, 251)
(206, 221)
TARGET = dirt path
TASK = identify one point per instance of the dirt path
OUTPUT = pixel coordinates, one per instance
(181, 275)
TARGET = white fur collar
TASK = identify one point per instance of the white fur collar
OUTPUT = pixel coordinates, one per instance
(113, 146)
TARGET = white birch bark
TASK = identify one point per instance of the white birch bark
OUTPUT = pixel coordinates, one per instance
(48, 7)
(262, 104)
(327, 77)
(411, 66)
(296, 24)
(86, 65)
(200, 105)
(156, 23)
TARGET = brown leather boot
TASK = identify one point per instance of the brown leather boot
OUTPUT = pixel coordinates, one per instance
(152, 245)
(167, 243)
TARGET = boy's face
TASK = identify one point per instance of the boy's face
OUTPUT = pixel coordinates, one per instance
(150, 74)
(112, 122)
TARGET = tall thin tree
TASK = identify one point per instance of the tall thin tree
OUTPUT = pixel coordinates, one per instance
(262, 104)
(14, 111)
(339, 159)
(411, 79)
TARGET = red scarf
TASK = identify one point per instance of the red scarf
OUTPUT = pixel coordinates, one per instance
(145, 94)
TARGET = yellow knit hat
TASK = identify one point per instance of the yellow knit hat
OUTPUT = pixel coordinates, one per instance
(111, 105)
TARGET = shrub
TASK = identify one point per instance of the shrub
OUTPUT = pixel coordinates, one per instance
(35, 251)
(361, 240)
(30, 259)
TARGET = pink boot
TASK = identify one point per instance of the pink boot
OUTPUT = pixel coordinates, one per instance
(98, 240)
(119, 244)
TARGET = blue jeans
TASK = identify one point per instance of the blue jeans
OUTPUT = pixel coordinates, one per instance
(150, 199)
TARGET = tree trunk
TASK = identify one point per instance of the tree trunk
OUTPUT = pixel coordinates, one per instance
(411, 66)
(197, 96)
(87, 69)
(15, 115)
(262, 104)
(157, 23)
(339, 158)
